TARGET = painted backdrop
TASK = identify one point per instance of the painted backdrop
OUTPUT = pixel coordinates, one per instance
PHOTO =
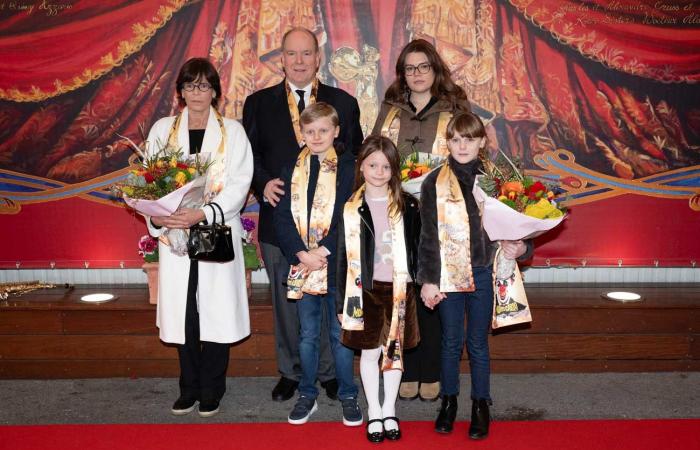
(602, 94)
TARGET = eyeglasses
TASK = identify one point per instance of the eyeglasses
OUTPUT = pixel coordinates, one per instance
(420, 68)
(203, 87)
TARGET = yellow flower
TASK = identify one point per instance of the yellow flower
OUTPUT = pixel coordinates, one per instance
(502, 197)
(543, 209)
(180, 178)
(173, 162)
(191, 170)
(159, 164)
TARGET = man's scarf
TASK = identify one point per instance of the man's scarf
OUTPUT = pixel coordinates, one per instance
(294, 112)
(353, 304)
(312, 229)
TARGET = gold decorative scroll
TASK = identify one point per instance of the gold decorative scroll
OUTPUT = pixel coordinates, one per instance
(348, 65)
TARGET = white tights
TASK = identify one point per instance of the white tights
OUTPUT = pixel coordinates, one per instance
(369, 371)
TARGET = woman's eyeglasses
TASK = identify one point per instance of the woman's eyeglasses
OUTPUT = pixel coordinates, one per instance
(203, 87)
(420, 68)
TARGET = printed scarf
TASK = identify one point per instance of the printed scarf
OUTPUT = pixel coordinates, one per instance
(312, 229)
(294, 109)
(352, 304)
(392, 127)
(216, 174)
(453, 233)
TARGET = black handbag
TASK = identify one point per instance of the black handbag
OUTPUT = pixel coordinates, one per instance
(211, 242)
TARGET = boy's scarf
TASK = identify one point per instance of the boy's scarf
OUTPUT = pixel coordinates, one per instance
(353, 305)
(392, 126)
(216, 175)
(294, 109)
(453, 234)
(312, 229)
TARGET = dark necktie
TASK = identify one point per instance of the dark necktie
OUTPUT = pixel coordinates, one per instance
(301, 105)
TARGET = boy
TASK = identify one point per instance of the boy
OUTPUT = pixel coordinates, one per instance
(320, 182)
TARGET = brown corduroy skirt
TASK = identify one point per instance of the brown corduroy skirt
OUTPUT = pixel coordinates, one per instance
(376, 308)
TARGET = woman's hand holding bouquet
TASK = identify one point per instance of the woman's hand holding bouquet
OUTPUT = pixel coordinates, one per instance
(168, 187)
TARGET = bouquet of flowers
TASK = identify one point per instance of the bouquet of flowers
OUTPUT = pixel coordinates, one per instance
(415, 167)
(250, 251)
(148, 248)
(514, 206)
(161, 183)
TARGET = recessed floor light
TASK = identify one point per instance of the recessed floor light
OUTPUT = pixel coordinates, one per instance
(622, 296)
(97, 298)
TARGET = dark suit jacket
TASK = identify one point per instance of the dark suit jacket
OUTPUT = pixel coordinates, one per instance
(268, 124)
(284, 221)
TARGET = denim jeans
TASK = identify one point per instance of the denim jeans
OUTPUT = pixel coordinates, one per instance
(309, 310)
(478, 307)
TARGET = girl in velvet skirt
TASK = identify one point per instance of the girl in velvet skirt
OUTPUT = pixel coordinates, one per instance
(377, 263)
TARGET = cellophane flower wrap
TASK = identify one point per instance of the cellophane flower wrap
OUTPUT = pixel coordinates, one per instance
(162, 182)
(415, 168)
(514, 206)
(250, 250)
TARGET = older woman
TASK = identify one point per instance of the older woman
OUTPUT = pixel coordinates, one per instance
(414, 115)
(202, 306)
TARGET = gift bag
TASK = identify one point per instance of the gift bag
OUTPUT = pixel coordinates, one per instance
(510, 302)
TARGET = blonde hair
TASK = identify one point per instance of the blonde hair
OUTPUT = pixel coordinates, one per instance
(317, 111)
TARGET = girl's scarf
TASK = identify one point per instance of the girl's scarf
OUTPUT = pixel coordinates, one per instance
(453, 234)
(314, 228)
(353, 305)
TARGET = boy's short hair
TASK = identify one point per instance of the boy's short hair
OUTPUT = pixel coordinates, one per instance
(317, 111)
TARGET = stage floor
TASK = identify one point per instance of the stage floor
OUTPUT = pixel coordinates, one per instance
(51, 334)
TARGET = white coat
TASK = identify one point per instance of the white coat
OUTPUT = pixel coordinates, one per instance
(221, 291)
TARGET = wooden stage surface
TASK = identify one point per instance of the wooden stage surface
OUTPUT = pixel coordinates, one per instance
(52, 334)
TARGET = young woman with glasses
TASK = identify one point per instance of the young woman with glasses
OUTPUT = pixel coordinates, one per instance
(414, 115)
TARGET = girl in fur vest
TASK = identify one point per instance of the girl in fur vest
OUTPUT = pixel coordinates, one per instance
(377, 256)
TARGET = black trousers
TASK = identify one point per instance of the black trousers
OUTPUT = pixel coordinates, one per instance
(203, 364)
(423, 362)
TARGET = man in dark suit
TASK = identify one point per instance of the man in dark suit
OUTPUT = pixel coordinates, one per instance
(271, 120)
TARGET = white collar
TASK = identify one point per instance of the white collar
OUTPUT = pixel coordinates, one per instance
(306, 88)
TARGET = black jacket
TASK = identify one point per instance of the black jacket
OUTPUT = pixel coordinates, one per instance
(482, 249)
(290, 241)
(268, 124)
(412, 226)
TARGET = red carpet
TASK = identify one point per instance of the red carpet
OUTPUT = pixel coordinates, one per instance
(544, 435)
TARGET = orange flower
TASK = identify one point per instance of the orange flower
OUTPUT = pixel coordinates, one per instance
(512, 186)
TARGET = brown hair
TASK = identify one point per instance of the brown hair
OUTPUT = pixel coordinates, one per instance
(443, 87)
(468, 125)
(303, 30)
(317, 111)
(376, 143)
(202, 69)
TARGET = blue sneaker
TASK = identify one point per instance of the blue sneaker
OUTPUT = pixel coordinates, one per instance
(352, 414)
(303, 409)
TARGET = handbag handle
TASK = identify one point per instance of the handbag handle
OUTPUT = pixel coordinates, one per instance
(211, 205)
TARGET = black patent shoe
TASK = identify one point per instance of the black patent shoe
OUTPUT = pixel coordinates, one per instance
(377, 437)
(284, 390)
(392, 435)
(448, 412)
(479, 427)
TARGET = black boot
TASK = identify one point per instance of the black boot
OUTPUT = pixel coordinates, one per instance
(448, 412)
(479, 428)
